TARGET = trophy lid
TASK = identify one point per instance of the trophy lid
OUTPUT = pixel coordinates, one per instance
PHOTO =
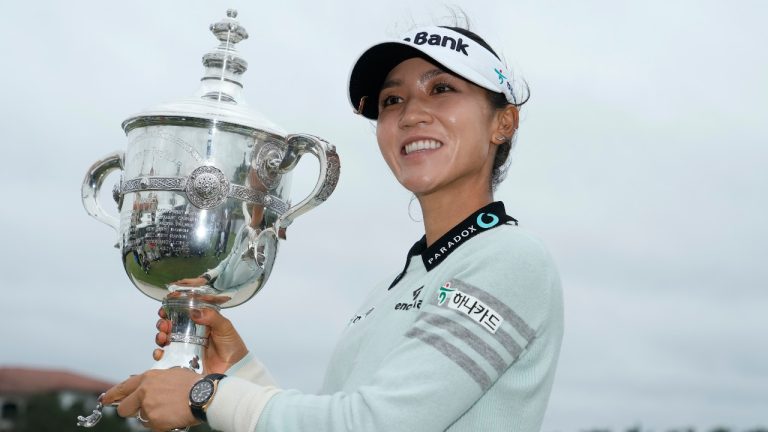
(219, 97)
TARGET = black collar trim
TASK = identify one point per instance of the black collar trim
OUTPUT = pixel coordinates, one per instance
(488, 217)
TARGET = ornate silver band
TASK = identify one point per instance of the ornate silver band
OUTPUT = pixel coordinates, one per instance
(205, 188)
(153, 183)
(197, 340)
(257, 197)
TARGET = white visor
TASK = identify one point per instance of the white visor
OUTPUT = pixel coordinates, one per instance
(450, 49)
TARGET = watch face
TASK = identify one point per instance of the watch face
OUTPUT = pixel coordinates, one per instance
(201, 392)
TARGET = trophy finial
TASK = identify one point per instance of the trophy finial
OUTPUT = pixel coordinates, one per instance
(224, 64)
(228, 30)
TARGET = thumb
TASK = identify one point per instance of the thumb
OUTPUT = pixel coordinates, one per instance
(213, 319)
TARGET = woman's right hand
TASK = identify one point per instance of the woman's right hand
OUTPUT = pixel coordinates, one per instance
(225, 347)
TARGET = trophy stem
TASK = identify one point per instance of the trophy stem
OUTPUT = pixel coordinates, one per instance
(187, 338)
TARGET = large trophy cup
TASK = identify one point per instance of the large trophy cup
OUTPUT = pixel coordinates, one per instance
(203, 198)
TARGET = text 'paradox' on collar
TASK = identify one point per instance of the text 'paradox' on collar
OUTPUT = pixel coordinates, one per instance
(488, 217)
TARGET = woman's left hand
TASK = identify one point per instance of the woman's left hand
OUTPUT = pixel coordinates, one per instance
(161, 397)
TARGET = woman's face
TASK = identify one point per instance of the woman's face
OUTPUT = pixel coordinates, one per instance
(435, 130)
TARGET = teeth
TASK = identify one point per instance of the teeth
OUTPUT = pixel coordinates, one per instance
(422, 145)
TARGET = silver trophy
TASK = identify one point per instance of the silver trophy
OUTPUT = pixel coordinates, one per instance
(204, 197)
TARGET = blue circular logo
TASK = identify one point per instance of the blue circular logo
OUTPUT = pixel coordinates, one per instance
(486, 225)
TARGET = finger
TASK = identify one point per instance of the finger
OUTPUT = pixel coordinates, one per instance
(161, 313)
(157, 354)
(163, 325)
(161, 339)
(130, 405)
(213, 319)
(120, 391)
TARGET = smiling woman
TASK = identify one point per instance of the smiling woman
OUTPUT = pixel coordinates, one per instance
(467, 336)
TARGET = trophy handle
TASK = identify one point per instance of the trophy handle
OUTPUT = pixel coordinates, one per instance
(92, 185)
(299, 145)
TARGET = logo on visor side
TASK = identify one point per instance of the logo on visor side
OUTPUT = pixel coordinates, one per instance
(422, 38)
(501, 76)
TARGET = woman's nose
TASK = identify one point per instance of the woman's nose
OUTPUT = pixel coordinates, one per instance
(414, 112)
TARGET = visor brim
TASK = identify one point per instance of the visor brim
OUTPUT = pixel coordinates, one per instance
(371, 69)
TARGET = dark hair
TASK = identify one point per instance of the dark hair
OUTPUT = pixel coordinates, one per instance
(498, 101)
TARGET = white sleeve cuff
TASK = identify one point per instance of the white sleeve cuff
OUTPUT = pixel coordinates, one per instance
(251, 369)
(238, 404)
(213, 273)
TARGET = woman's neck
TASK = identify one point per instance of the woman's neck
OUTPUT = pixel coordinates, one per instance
(443, 211)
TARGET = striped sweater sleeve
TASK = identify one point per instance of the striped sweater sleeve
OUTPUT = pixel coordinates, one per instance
(473, 327)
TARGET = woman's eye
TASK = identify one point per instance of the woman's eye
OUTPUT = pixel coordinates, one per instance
(441, 88)
(390, 100)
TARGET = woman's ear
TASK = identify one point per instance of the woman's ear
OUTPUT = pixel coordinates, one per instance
(507, 121)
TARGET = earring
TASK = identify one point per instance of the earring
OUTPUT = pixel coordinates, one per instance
(360, 106)
(500, 138)
(410, 203)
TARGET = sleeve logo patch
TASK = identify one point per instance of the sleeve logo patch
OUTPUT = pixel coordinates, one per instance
(471, 307)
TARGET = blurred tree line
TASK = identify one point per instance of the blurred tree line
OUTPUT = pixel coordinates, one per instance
(44, 413)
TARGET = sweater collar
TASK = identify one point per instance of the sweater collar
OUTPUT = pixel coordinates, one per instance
(487, 217)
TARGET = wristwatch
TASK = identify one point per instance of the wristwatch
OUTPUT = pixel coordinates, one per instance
(201, 395)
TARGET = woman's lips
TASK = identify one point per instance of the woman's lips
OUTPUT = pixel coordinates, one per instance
(422, 144)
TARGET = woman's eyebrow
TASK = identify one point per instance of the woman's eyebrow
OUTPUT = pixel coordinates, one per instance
(391, 83)
(426, 76)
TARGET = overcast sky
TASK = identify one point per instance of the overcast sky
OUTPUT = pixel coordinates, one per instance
(641, 162)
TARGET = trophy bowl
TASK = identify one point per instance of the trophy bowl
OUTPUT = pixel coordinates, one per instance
(203, 198)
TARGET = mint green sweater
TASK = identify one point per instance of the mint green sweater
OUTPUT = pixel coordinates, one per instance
(465, 339)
